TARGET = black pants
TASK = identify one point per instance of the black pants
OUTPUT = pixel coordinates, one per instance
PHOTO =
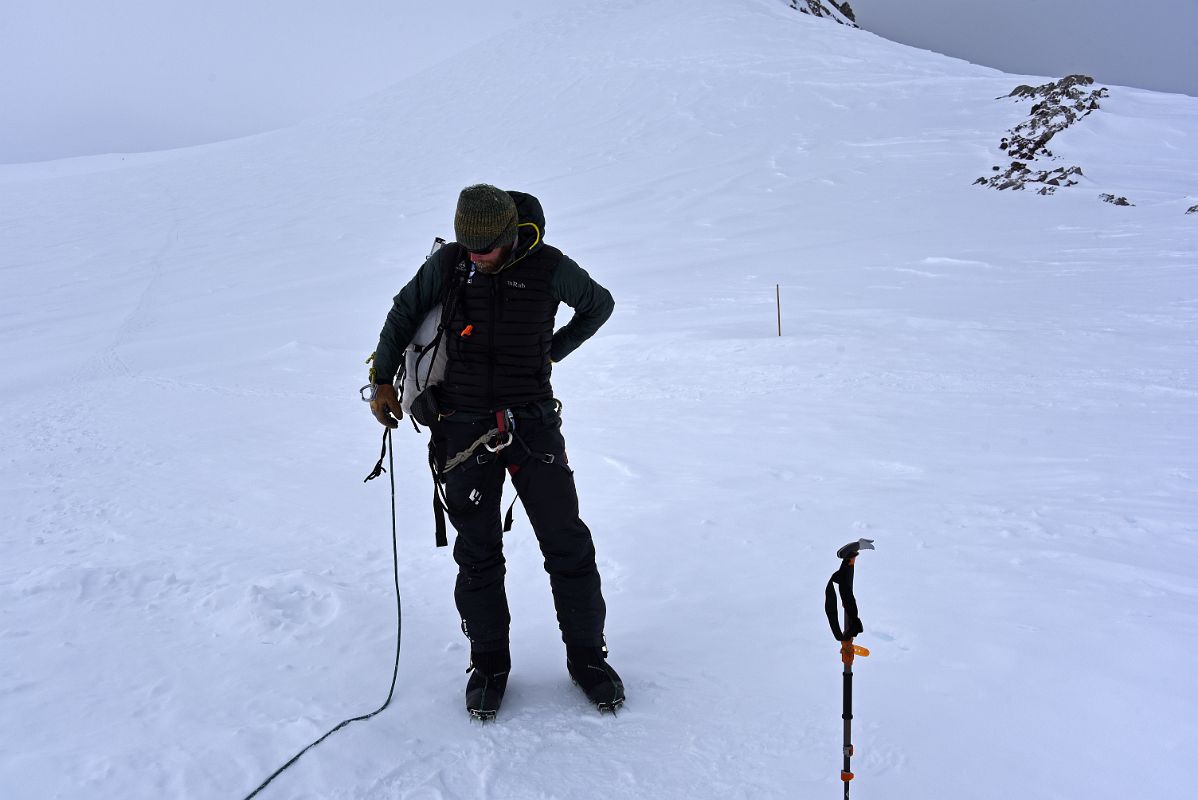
(536, 461)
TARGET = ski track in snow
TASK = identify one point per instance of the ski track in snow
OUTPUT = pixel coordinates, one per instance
(998, 388)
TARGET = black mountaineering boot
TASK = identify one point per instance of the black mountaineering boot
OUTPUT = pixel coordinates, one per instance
(488, 678)
(589, 668)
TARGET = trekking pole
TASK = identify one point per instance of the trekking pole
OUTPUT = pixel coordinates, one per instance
(843, 577)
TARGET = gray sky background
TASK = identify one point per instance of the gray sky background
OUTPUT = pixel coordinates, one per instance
(1153, 45)
(79, 77)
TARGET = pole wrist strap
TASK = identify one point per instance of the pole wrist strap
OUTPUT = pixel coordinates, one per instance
(843, 578)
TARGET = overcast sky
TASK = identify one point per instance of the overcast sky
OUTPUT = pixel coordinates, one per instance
(88, 76)
(1146, 44)
(96, 76)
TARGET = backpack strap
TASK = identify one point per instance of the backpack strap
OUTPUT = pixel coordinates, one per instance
(436, 453)
(436, 446)
(449, 306)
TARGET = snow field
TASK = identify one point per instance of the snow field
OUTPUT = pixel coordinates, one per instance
(996, 387)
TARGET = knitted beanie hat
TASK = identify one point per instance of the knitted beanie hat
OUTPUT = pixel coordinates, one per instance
(485, 219)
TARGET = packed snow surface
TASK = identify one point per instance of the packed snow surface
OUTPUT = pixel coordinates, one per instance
(999, 388)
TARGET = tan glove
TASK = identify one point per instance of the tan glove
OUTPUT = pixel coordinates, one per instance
(386, 403)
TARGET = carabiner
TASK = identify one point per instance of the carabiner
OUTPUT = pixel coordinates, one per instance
(496, 448)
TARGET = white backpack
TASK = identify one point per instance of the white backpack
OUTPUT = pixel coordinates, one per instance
(424, 359)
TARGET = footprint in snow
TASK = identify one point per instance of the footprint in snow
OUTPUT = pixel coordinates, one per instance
(275, 608)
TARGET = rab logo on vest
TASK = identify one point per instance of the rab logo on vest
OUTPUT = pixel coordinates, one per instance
(516, 285)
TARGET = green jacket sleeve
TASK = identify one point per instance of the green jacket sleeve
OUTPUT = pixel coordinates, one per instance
(422, 294)
(592, 306)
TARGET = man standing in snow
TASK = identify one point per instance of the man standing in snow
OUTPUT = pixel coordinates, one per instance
(499, 286)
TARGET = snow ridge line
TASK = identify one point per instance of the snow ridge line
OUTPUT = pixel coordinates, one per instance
(840, 12)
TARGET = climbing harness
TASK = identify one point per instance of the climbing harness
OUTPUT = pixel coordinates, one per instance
(843, 577)
(493, 441)
(378, 470)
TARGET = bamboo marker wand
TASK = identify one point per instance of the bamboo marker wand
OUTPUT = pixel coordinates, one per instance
(778, 303)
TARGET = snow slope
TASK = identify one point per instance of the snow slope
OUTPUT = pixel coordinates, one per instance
(996, 387)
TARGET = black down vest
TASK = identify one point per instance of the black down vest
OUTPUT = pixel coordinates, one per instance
(499, 336)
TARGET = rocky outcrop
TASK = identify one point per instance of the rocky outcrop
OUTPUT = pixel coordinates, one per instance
(1192, 210)
(841, 12)
(1115, 201)
(1018, 175)
(1055, 107)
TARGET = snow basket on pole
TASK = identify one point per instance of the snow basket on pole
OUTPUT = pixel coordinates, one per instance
(843, 577)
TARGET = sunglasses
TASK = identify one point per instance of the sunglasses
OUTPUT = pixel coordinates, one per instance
(492, 247)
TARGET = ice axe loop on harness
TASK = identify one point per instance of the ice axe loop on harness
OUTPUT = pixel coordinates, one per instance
(843, 578)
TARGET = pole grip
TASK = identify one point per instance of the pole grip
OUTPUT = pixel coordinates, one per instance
(843, 578)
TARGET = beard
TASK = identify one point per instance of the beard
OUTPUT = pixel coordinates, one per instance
(492, 264)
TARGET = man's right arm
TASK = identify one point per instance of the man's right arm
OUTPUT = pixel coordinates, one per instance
(408, 310)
